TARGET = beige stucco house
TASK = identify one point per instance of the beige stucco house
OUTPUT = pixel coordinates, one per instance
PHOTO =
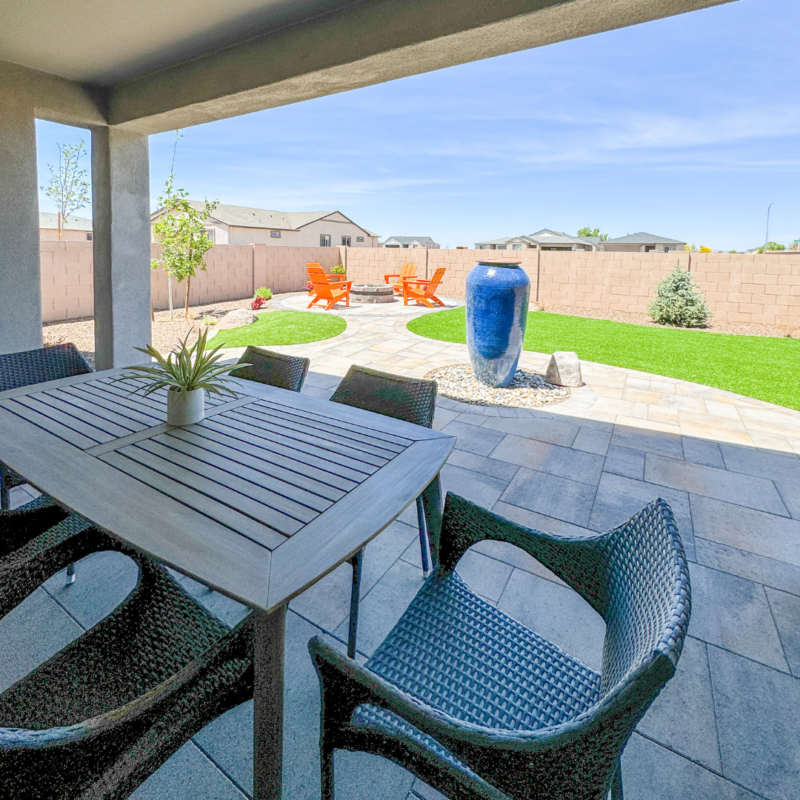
(242, 225)
(74, 229)
(642, 243)
(544, 239)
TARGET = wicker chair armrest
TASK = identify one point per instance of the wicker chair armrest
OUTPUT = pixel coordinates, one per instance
(240, 638)
(576, 560)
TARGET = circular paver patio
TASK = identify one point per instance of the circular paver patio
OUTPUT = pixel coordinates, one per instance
(378, 338)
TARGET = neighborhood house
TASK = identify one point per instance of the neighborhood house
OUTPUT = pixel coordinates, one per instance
(242, 225)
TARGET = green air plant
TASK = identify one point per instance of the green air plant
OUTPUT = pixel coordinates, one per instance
(187, 368)
(679, 302)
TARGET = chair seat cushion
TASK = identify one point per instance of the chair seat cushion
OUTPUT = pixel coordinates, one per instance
(459, 654)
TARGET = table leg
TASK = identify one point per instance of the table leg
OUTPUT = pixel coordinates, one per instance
(432, 508)
(270, 634)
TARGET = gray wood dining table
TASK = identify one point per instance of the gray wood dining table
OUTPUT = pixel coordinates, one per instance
(265, 496)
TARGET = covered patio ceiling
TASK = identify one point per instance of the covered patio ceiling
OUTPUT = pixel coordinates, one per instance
(152, 66)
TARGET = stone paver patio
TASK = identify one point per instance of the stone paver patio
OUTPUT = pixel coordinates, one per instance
(727, 727)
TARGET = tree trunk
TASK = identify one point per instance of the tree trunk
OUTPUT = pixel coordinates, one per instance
(60, 226)
(186, 304)
(169, 292)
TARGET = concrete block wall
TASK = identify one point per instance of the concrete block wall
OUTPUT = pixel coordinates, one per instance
(233, 272)
(762, 289)
(754, 288)
(602, 281)
(67, 280)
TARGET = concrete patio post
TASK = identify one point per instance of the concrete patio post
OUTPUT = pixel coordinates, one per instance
(121, 223)
(20, 271)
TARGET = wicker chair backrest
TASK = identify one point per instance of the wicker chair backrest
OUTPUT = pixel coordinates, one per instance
(273, 369)
(38, 366)
(646, 602)
(409, 399)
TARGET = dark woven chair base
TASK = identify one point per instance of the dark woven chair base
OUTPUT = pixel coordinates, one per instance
(116, 703)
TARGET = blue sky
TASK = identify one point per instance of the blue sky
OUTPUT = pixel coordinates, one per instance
(686, 127)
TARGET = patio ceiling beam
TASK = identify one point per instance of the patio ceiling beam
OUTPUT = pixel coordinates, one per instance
(53, 98)
(365, 43)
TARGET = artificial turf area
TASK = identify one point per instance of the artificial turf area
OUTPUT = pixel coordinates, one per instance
(756, 366)
(281, 327)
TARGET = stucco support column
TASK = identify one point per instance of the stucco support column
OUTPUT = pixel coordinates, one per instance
(20, 269)
(121, 223)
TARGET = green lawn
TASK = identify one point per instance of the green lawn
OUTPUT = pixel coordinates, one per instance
(281, 327)
(756, 366)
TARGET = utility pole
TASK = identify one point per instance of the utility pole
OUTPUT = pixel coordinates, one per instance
(766, 241)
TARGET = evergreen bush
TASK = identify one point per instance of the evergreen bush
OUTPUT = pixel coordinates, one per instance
(679, 302)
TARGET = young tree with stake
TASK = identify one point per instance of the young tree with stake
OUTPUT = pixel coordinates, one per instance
(68, 186)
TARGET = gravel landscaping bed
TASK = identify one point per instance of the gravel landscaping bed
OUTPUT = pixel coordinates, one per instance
(741, 328)
(527, 390)
(166, 332)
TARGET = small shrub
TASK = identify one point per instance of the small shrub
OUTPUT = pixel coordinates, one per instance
(309, 286)
(210, 320)
(257, 303)
(264, 293)
(679, 302)
(338, 270)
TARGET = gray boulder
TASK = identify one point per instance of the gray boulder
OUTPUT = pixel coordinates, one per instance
(237, 319)
(564, 369)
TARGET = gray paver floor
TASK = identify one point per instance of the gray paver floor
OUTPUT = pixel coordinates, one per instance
(727, 727)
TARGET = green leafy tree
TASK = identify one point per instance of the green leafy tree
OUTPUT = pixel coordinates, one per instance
(68, 186)
(679, 302)
(181, 234)
(772, 246)
(593, 232)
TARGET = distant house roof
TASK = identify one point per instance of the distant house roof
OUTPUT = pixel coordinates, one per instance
(547, 236)
(410, 239)
(245, 217)
(505, 240)
(642, 238)
(543, 237)
(71, 223)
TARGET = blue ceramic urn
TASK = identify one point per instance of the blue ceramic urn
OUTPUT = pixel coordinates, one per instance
(497, 310)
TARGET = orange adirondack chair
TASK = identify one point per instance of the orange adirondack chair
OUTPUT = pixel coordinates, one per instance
(423, 291)
(326, 291)
(330, 276)
(408, 270)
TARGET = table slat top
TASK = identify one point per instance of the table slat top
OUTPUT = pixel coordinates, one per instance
(263, 466)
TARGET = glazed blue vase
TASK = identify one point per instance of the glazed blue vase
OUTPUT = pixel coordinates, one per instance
(497, 310)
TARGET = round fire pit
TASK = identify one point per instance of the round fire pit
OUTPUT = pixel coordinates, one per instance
(372, 293)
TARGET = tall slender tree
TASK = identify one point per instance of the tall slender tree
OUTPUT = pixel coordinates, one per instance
(181, 233)
(68, 185)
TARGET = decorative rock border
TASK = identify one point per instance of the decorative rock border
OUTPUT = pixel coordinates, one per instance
(527, 389)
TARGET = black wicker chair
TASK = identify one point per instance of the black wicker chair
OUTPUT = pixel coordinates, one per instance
(274, 369)
(410, 399)
(104, 713)
(479, 706)
(37, 541)
(30, 367)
